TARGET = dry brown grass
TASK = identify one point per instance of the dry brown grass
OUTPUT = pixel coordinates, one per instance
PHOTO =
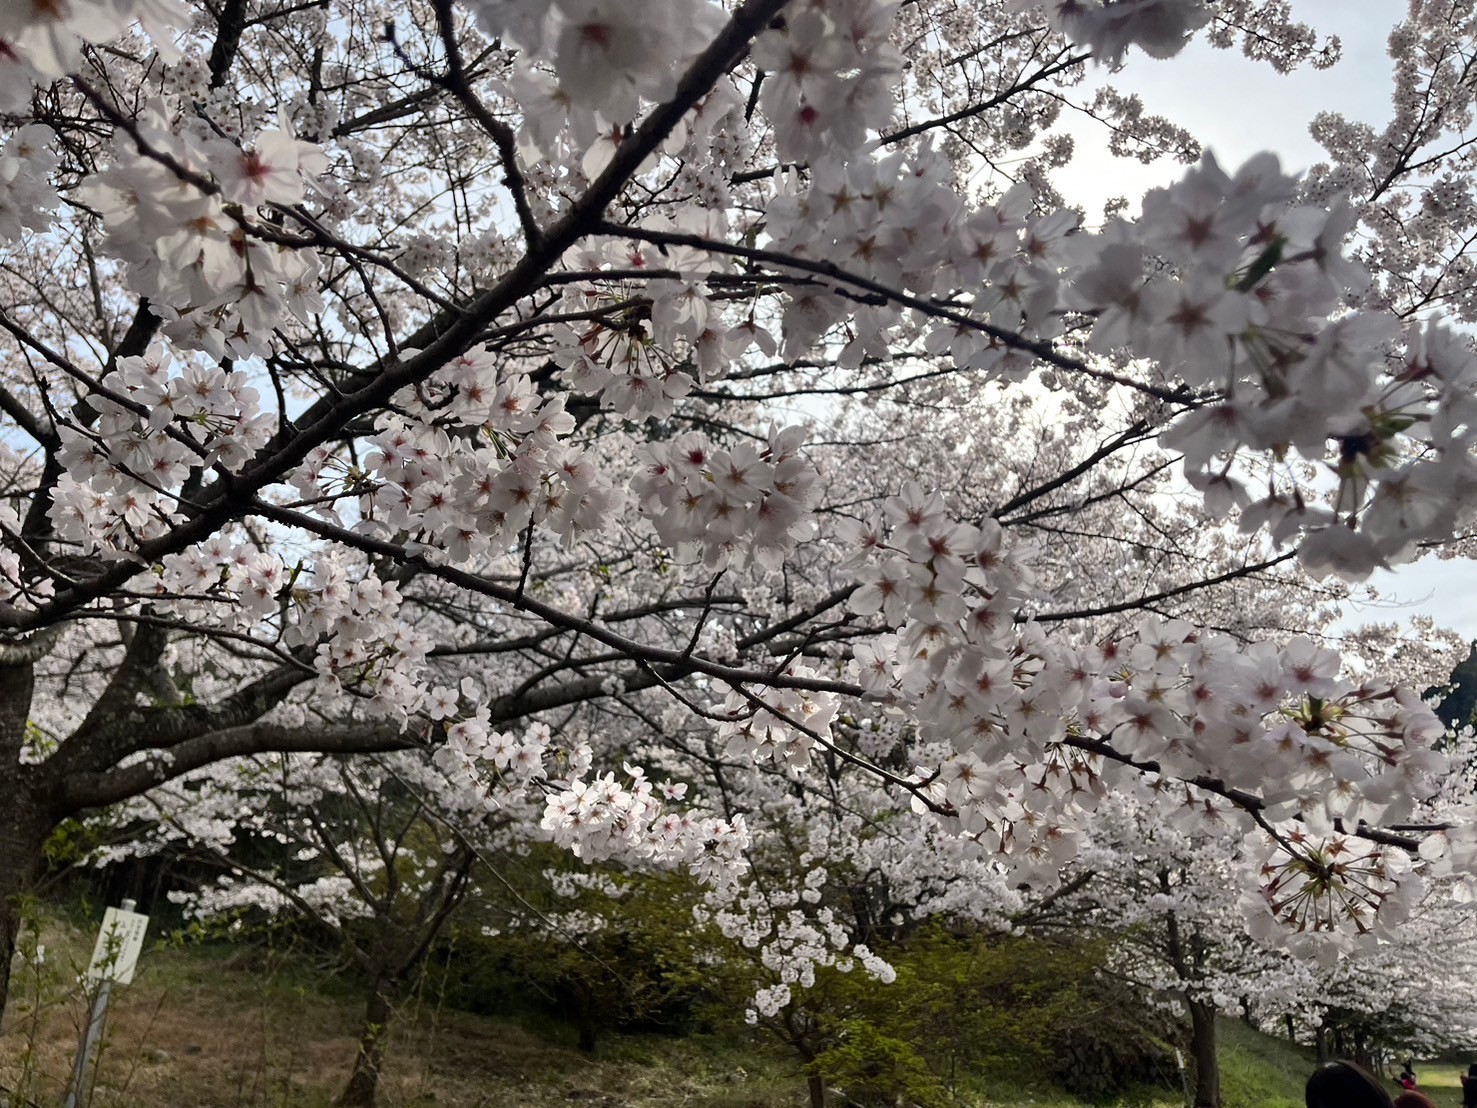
(199, 1031)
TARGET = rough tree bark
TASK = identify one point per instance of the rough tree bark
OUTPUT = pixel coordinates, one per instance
(23, 824)
(22, 837)
(1202, 1047)
(363, 1087)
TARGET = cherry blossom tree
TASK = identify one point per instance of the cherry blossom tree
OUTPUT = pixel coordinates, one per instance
(458, 376)
(1410, 998)
(368, 856)
(1169, 899)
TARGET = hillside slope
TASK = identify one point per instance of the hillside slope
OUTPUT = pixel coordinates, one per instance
(222, 1027)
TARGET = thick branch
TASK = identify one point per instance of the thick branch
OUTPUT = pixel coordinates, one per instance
(95, 751)
(94, 790)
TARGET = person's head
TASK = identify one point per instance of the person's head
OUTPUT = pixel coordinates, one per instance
(1345, 1085)
(1472, 1070)
(1413, 1099)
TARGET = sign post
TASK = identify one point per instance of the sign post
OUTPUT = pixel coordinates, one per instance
(114, 958)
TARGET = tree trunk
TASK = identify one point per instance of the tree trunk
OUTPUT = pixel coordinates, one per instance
(814, 1082)
(1202, 1047)
(23, 824)
(584, 997)
(363, 1086)
(1321, 1043)
(10, 922)
(22, 839)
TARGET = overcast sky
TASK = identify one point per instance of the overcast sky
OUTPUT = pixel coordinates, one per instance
(1237, 108)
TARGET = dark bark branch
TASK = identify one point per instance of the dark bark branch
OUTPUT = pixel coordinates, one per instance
(503, 646)
(1166, 594)
(1249, 803)
(230, 26)
(972, 110)
(1042, 350)
(1129, 436)
(90, 753)
(118, 696)
(662, 656)
(93, 790)
(455, 82)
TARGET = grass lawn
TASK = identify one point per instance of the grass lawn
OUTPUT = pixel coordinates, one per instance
(1261, 1072)
(1441, 1081)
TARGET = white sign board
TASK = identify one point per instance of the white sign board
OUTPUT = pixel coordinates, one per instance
(119, 944)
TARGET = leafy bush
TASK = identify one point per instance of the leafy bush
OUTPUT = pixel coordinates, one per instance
(633, 966)
(966, 1006)
(874, 1068)
(1114, 1043)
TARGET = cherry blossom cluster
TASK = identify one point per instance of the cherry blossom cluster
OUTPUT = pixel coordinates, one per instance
(471, 744)
(39, 39)
(1267, 34)
(603, 818)
(642, 355)
(350, 619)
(363, 646)
(781, 725)
(1031, 728)
(185, 217)
(608, 56)
(1160, 28)
(1450, 853)
(157, 419)
(792, 937)
(27, 196)
(829, 74)
(729, 506)
(622, 364)
(464, 496)
(1244, 309)
(864, 217)
(595, 817)
(1331, 894)
(330, 897)
(1325, 897)
(1226, 284)
(1243, 278)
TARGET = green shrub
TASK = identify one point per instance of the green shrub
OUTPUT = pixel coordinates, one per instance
(872, 1068)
